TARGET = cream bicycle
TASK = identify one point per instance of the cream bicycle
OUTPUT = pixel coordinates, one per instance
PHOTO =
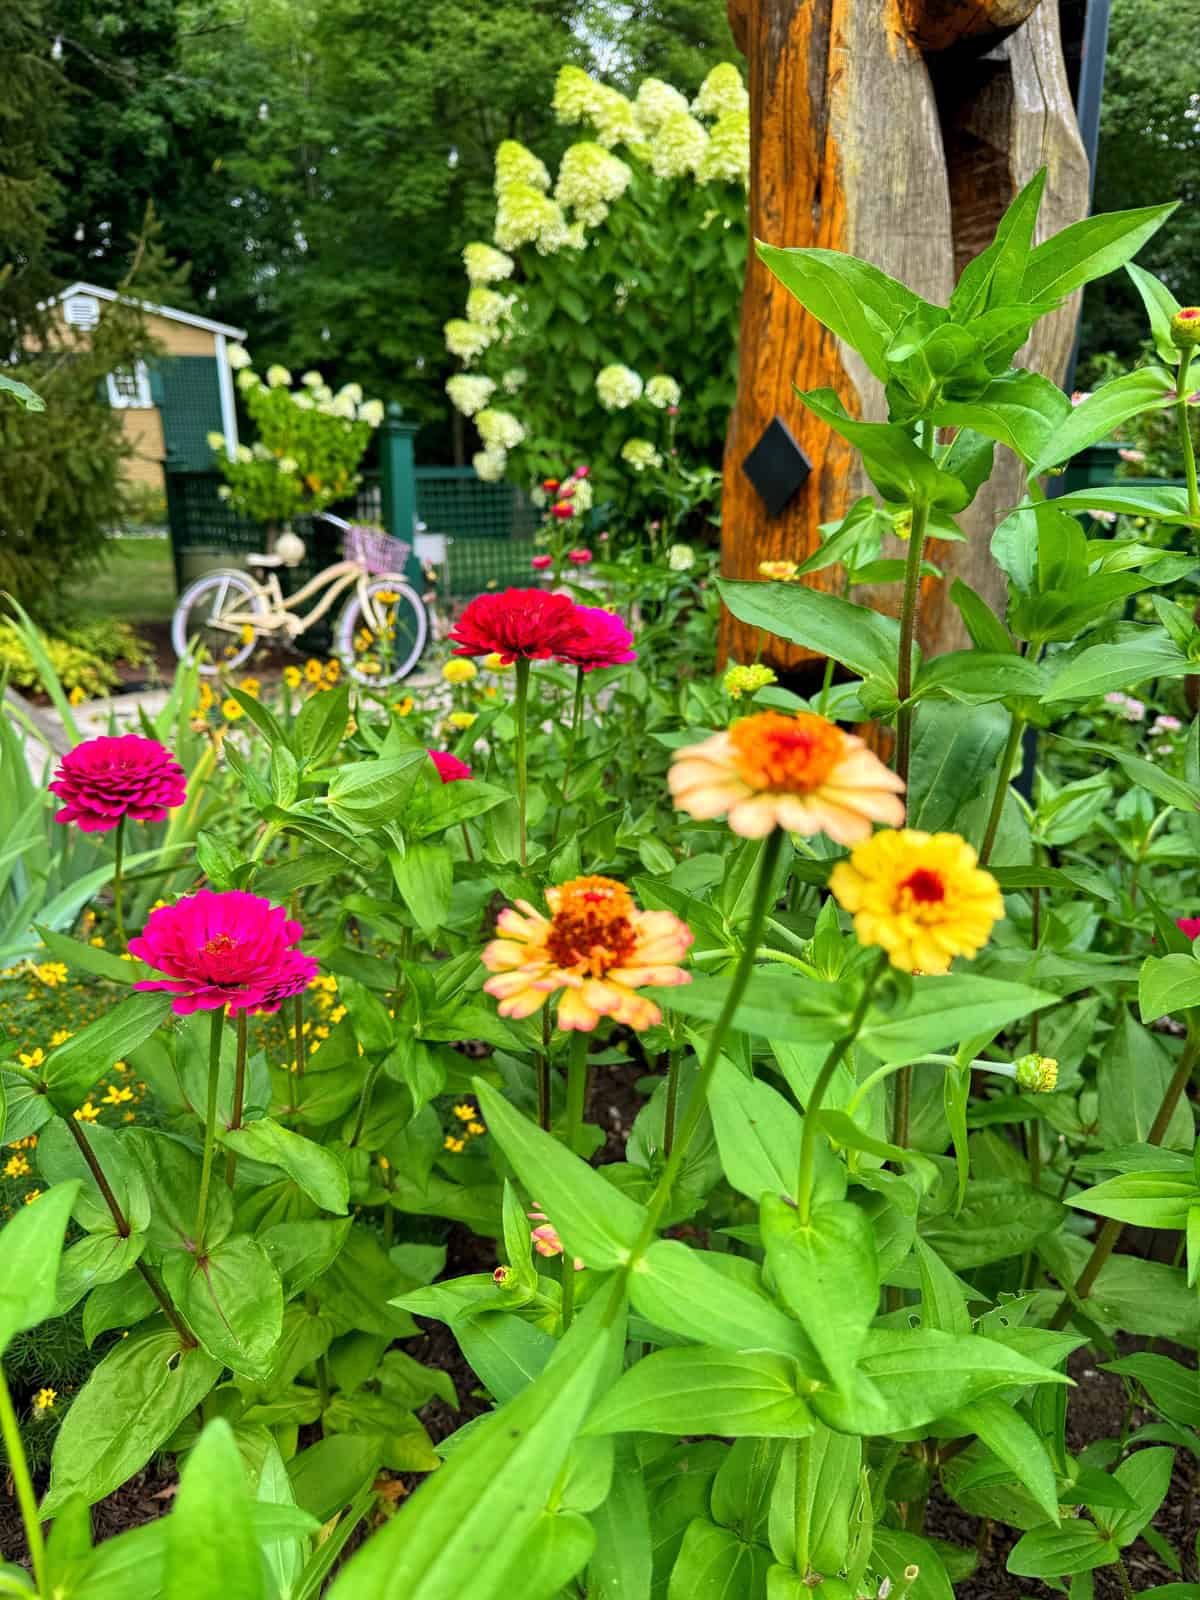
(379, 635)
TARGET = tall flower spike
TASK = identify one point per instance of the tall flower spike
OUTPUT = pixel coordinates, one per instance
(797, 772)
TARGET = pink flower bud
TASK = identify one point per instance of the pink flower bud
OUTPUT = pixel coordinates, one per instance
(541, 563)
(580, 558)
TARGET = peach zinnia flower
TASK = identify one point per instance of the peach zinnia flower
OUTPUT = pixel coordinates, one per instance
(921, 896)
(796, 772)
(596, 946)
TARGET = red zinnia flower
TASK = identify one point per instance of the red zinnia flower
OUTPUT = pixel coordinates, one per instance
(580, 558)
(563, 510)
(450, 768)
(541, 563)
(106, 779)
(520, 624)
(604, 641)
(232, 949)
(549, 485)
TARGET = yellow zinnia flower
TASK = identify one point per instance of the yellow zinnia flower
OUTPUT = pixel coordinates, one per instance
(292, 677)
(461, 719)
(231, 711)
(781, 571)
(313, 670)
(459, 670)
(333, 670)
(597, 947)
(796, 772)
(403, 707)
(250, 686)
(921, 896)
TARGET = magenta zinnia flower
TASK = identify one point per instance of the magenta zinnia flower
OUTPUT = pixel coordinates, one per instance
(1189, 926)
(450, 769)
(107, 779)
(520, 624)
(603, 641)
(233, 949)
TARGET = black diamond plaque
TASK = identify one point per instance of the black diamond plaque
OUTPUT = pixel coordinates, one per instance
(776, 466)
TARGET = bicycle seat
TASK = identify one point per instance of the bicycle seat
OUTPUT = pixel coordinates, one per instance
(263, 560)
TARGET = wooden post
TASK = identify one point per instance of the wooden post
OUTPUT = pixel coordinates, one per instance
(896, 130)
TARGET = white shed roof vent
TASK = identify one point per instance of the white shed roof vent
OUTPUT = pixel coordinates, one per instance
(81, 310)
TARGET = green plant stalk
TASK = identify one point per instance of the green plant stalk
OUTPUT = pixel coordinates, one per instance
(826, 685)
(210, 1124)
(902, 1105)
(674, 1062)
(576, 726)
(118, 863)
(1185, 439)
(808, 1138)
(521, 705)
(18, 1467)
(1107, 1238)
(364, 1102)
(239, 1095)
(1000, 792)
(1123, 1574)
(908, 629)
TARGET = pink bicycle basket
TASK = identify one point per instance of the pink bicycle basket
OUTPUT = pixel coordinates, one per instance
(376, 551)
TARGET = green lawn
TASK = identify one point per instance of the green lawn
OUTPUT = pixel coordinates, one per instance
(136, 584)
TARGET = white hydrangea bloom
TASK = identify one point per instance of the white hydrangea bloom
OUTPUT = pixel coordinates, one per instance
(469, 392)
(640, 454)
(343, 406)
(244, 454)
(575, 238)
(352, 392)
(371, 412)
(312, 379)
(278, 377)
(322, 393)
(614, 117)
(464, 339)
(727, 155)
(246, 379)
(304, 401)
(288, 465)
(656, 101)
(486, 307)
(485, 264)
(679, 146)
(237, 356)
(523, 216)
(618, 386)
(583, 498)
(574, 95)
(215, 441)
(589, 177)
(490, 464)
(681, 558)
(662, 391)
(722, 91)
(223, 491)
(514, 380)
(516, 164)
(499, 430)
(259, 452)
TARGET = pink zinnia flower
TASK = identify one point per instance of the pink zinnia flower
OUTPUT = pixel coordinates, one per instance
(581, 472)
(563, 510)
(107, 779)
(541, 563)
(1189, 926)
(232, 949)
(603, 641)
(579, 558)
(450, 768)
(525, 624)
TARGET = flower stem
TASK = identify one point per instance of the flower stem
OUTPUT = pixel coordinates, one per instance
(118, 863)
(902, 1106)
(1000, 792)
(466, 838)
(908, 629)
(522, 711)
(577, 1075)
(1185, 439)
(826, 685)
(239, 1095)
(1107, 1238)
(364, 1102)
(210, 1124)
(18, 1467)
(674, 1061)
(576, 725)
(808, 1139)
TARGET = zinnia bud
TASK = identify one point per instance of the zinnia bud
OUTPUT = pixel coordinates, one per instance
(1039, 1073)
(1185, 327)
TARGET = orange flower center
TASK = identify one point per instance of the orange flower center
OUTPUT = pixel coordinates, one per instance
(591, 931)
(793, 754)
(922, 887)
(220, 945)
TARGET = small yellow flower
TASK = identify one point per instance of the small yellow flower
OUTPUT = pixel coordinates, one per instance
(454, 1145)
(313, 670)
(461, 719)
(247, 633)
(97, 941)
(333, 670)
(464, 1113)
(116, 1097)
(385, 1163)
(32, 1059)
(386, 597)
(476, 1128)
(403, 707)
(292, 677)
(60, 1036)
(87, 1112)
(17, 1167)
(459, 670)
(495, 662)
(231, 711)
(250, 686)
(781, 571)
(32, 1196)
(206, 696)
(77, 695)
(52, 973)
(44, 1399)
(336, 1015)
(920, 896)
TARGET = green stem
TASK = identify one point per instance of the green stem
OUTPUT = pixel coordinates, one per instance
(210, 1124)
(826, 685)
(901, 1106)
(908, 629)
(1000, 792)
(364, 1102)
(1185, 439)
(522, 710)
(577, 1073)
(298, 1021)
(239, 1095)
(674, 1062)
(1107, 1238)
(576, 725)
(1123, 1574)
(808, 1139)
(18, 1467)
(466, 838)
(118, 862)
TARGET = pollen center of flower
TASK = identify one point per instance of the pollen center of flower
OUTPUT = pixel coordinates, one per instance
(590, 931)
(792, 754)
(222, 944)
(924, 887)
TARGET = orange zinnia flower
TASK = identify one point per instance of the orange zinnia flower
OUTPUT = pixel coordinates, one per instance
(597, 947)
(796, 772)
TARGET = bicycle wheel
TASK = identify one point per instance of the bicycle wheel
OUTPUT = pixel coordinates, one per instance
(197, 625)
(378, 656)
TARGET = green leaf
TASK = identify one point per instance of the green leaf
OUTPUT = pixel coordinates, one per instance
(1009, 1437)
(943, 1304)
(715, 1564)
(1146, 1474)
(21, 393)
(87, 958)
(677, 1289)
(999, 1218)
(72, 1069)
(1144, 389)
(977, 676)
(1167, 501)
(212, 1495)
(301, 1252)
(284, 1555)
(370, 793)
(1172, 1387)
(1167, 984)
(318, 1171)
(1102, 667)
(321, 724)
(263, 718)
(1170, 790)
(955, 749)
(423, 875)
(826, 1272)
(30, 1248)
(285, 776)
(595, 1221)
(1050, 1552)
(944, 1011)
(1132, 1080)
(897, 465)
(833, 1474)
(981, 622)
(860, 639)
(96, 1259)
(758, 1133)
(706, 1390)
(1161, 305)
(786, 1007)
(1147, 1199)
(994, 276)
(444, 805)
(853, 299)
(1087, 250)
(1018, 409)
(130, 1405)
(233, 1302)
(622, 1563)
